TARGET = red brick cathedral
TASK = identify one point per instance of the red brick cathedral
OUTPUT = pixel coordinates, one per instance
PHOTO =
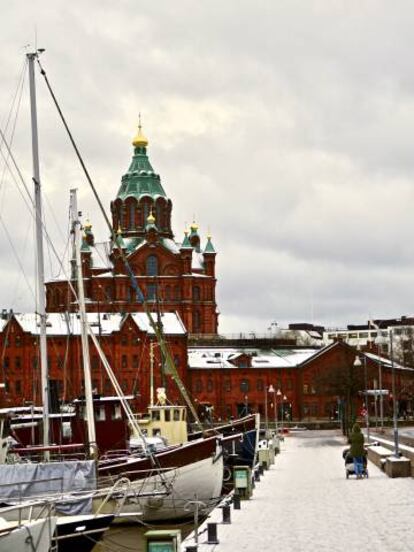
(176, 277)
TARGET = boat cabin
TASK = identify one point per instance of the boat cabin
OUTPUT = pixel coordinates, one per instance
(167, 421)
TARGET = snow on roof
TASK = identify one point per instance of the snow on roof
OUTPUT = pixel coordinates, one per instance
(197, 261)
(171, 323)
(386, 362)
(102, 323)
(171, 245)
(201, 358)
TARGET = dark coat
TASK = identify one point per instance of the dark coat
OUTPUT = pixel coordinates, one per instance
(356, 440)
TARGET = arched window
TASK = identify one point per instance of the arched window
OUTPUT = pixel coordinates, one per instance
(131, 216)
(152, 265)
(158, 217)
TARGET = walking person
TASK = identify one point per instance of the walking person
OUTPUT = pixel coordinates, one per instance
(357, 451)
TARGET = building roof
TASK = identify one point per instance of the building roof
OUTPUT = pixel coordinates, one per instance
(208, 358)
(140, 179)
(102, 323)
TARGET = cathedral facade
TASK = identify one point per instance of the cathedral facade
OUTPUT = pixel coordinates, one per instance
(178, 277)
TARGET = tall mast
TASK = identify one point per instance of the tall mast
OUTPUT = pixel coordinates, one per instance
(84, 327)
(39, 250)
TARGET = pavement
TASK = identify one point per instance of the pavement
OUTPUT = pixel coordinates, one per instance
(305, 503)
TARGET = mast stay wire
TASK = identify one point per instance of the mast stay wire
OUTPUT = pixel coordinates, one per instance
(170, 362)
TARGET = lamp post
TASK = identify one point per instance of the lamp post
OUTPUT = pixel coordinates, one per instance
(278, 393)
(380, 340)
(358, 364)
(267, 390)
(394, 394)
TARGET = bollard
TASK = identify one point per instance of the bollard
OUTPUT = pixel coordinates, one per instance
(226, 514)
(256, 475)
(212, 533)
(261, 470)
(236, 502)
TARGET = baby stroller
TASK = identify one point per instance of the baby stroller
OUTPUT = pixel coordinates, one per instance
(349, 464)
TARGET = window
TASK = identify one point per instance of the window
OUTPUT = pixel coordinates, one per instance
(176, 415)
(158, 217)
(132, 216)
(196, 293)
(117, 412)
(198, 386)
(100, 414)
(244, 386)
(177, 360)
(227, 385)
(151, 292)
(196, 321)
(152, 265)
(124, 361)
(6, 362)
(124, 339)
(18, 340)
(305, 388)
(17, 363)
(177, 293)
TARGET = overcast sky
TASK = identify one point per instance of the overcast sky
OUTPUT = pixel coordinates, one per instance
(286, 127)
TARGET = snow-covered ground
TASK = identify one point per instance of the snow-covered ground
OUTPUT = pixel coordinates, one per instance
(305, 503)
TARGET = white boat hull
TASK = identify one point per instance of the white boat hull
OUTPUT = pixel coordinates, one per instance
(200, 481)
(35, 535)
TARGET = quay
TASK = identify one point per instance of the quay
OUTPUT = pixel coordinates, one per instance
(305, 503)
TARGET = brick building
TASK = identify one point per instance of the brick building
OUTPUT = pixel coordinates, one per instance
(178, 276)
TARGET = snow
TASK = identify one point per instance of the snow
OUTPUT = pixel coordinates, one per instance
(58, 323)
(222, 358)
(305, 503)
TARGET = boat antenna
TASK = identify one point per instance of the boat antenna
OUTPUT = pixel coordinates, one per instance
(170, 366)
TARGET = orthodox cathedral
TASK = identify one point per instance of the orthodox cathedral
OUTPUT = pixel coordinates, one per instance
(175, 277)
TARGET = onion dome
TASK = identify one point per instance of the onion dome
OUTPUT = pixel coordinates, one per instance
(150, 222)
(139, 141)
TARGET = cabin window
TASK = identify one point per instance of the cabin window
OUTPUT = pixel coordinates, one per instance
(167, 415)
(117, 412)
(155, 415)
(152, 265)
(100, 414)
(176, 415)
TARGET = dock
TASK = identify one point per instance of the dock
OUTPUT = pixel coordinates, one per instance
(305, 503)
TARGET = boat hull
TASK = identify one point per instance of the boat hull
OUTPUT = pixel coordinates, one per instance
(36, 535)
(184, 479)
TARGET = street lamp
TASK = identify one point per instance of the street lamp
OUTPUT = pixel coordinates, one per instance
(271, 389)
(277, 394)
(379, 341)
(284, 399)
(358, 364)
